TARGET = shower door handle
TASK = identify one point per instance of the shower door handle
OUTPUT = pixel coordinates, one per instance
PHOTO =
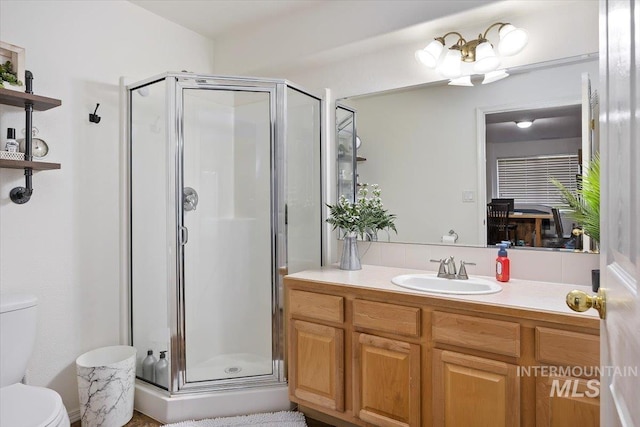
(184, 235)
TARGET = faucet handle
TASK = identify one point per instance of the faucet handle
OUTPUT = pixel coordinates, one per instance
(442, 272)
(462, 274)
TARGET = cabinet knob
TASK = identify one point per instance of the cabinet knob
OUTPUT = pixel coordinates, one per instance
(581, 301)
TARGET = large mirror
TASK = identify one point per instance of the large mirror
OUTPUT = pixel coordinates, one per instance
(434, 150)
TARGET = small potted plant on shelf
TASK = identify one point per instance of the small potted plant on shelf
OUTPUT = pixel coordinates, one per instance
(363, 219)
(8, 77)
(585, 206)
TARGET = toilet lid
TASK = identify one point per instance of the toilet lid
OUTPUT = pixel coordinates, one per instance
(22, 405)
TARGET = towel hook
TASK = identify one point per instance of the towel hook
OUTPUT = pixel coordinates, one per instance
(95, 118)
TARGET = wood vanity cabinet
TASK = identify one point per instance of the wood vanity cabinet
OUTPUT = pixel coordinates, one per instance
(462, 381)
(563, 400)
(386, 370)
(378, 358)
(316, 350)
(470, 390)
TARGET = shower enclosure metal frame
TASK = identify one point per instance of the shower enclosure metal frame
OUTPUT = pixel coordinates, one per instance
(177, 234)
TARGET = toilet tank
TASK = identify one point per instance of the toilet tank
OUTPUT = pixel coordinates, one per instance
(17, 335)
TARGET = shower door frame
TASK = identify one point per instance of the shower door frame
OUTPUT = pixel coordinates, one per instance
(178, 382)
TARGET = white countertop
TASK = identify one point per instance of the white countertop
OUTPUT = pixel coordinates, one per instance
(521, 294)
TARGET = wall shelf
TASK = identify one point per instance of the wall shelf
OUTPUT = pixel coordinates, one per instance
(21, 99)
(21, 164)
(30, 103)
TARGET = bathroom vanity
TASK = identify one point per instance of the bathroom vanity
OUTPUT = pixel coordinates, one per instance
(364, 351)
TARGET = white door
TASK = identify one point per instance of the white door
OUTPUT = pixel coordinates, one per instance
(620, 203)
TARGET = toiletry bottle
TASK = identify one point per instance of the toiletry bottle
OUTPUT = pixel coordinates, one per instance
(148, 367)
(12, 145)
(162, 370)
(502, 265)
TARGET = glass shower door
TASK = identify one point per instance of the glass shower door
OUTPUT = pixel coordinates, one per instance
(227, 233)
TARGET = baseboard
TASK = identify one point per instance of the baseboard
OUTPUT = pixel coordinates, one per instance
(74, 415)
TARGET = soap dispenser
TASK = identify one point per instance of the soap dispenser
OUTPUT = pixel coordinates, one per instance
(148, 367)
(162, 370)
(503, 272)
(11, 145)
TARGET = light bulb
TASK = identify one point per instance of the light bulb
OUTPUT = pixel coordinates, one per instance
(461, 81)
(451, 66)
(512, 40)
(494, 76)
(524, 124)
(429, 55)
(486, 59)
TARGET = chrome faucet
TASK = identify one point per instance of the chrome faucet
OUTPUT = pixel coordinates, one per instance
(450, 263)
(447, 268)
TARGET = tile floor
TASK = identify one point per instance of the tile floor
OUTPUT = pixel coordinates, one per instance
(138, 420)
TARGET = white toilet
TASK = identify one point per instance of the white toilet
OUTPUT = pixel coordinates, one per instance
(22, 405)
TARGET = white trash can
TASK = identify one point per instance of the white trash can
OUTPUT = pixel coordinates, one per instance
(106, 382)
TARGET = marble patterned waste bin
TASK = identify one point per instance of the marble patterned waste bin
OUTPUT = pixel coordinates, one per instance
(106, 382)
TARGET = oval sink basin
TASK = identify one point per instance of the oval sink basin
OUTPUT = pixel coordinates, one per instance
(433, 284)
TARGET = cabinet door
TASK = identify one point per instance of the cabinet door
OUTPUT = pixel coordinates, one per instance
(472, 391)
(386, 377)
(567, 402)
(316, 364)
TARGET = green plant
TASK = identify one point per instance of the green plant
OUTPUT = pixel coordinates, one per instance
(585, 203)
(8, 75)
(364, 216)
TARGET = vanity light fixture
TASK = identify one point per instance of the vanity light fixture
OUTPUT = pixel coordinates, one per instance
(494, 76)
(461, 81)
(477, 56)
(524, 124)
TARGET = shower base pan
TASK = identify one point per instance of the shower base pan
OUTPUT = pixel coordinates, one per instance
(225, 403)
(230, 366)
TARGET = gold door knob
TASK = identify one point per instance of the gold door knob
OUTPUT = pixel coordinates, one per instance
(581, 301)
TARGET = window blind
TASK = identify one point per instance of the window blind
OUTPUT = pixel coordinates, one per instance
(528, 179)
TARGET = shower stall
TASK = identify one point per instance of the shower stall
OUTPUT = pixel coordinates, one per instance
(224, 198)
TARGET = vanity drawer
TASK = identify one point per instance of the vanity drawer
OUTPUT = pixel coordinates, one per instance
(393, 318)
(493, 336)
(316, 306)
(557, 347)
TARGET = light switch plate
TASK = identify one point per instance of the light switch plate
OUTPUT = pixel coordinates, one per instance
(468, 196)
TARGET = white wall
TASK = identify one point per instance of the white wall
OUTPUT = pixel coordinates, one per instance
(63, 246)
